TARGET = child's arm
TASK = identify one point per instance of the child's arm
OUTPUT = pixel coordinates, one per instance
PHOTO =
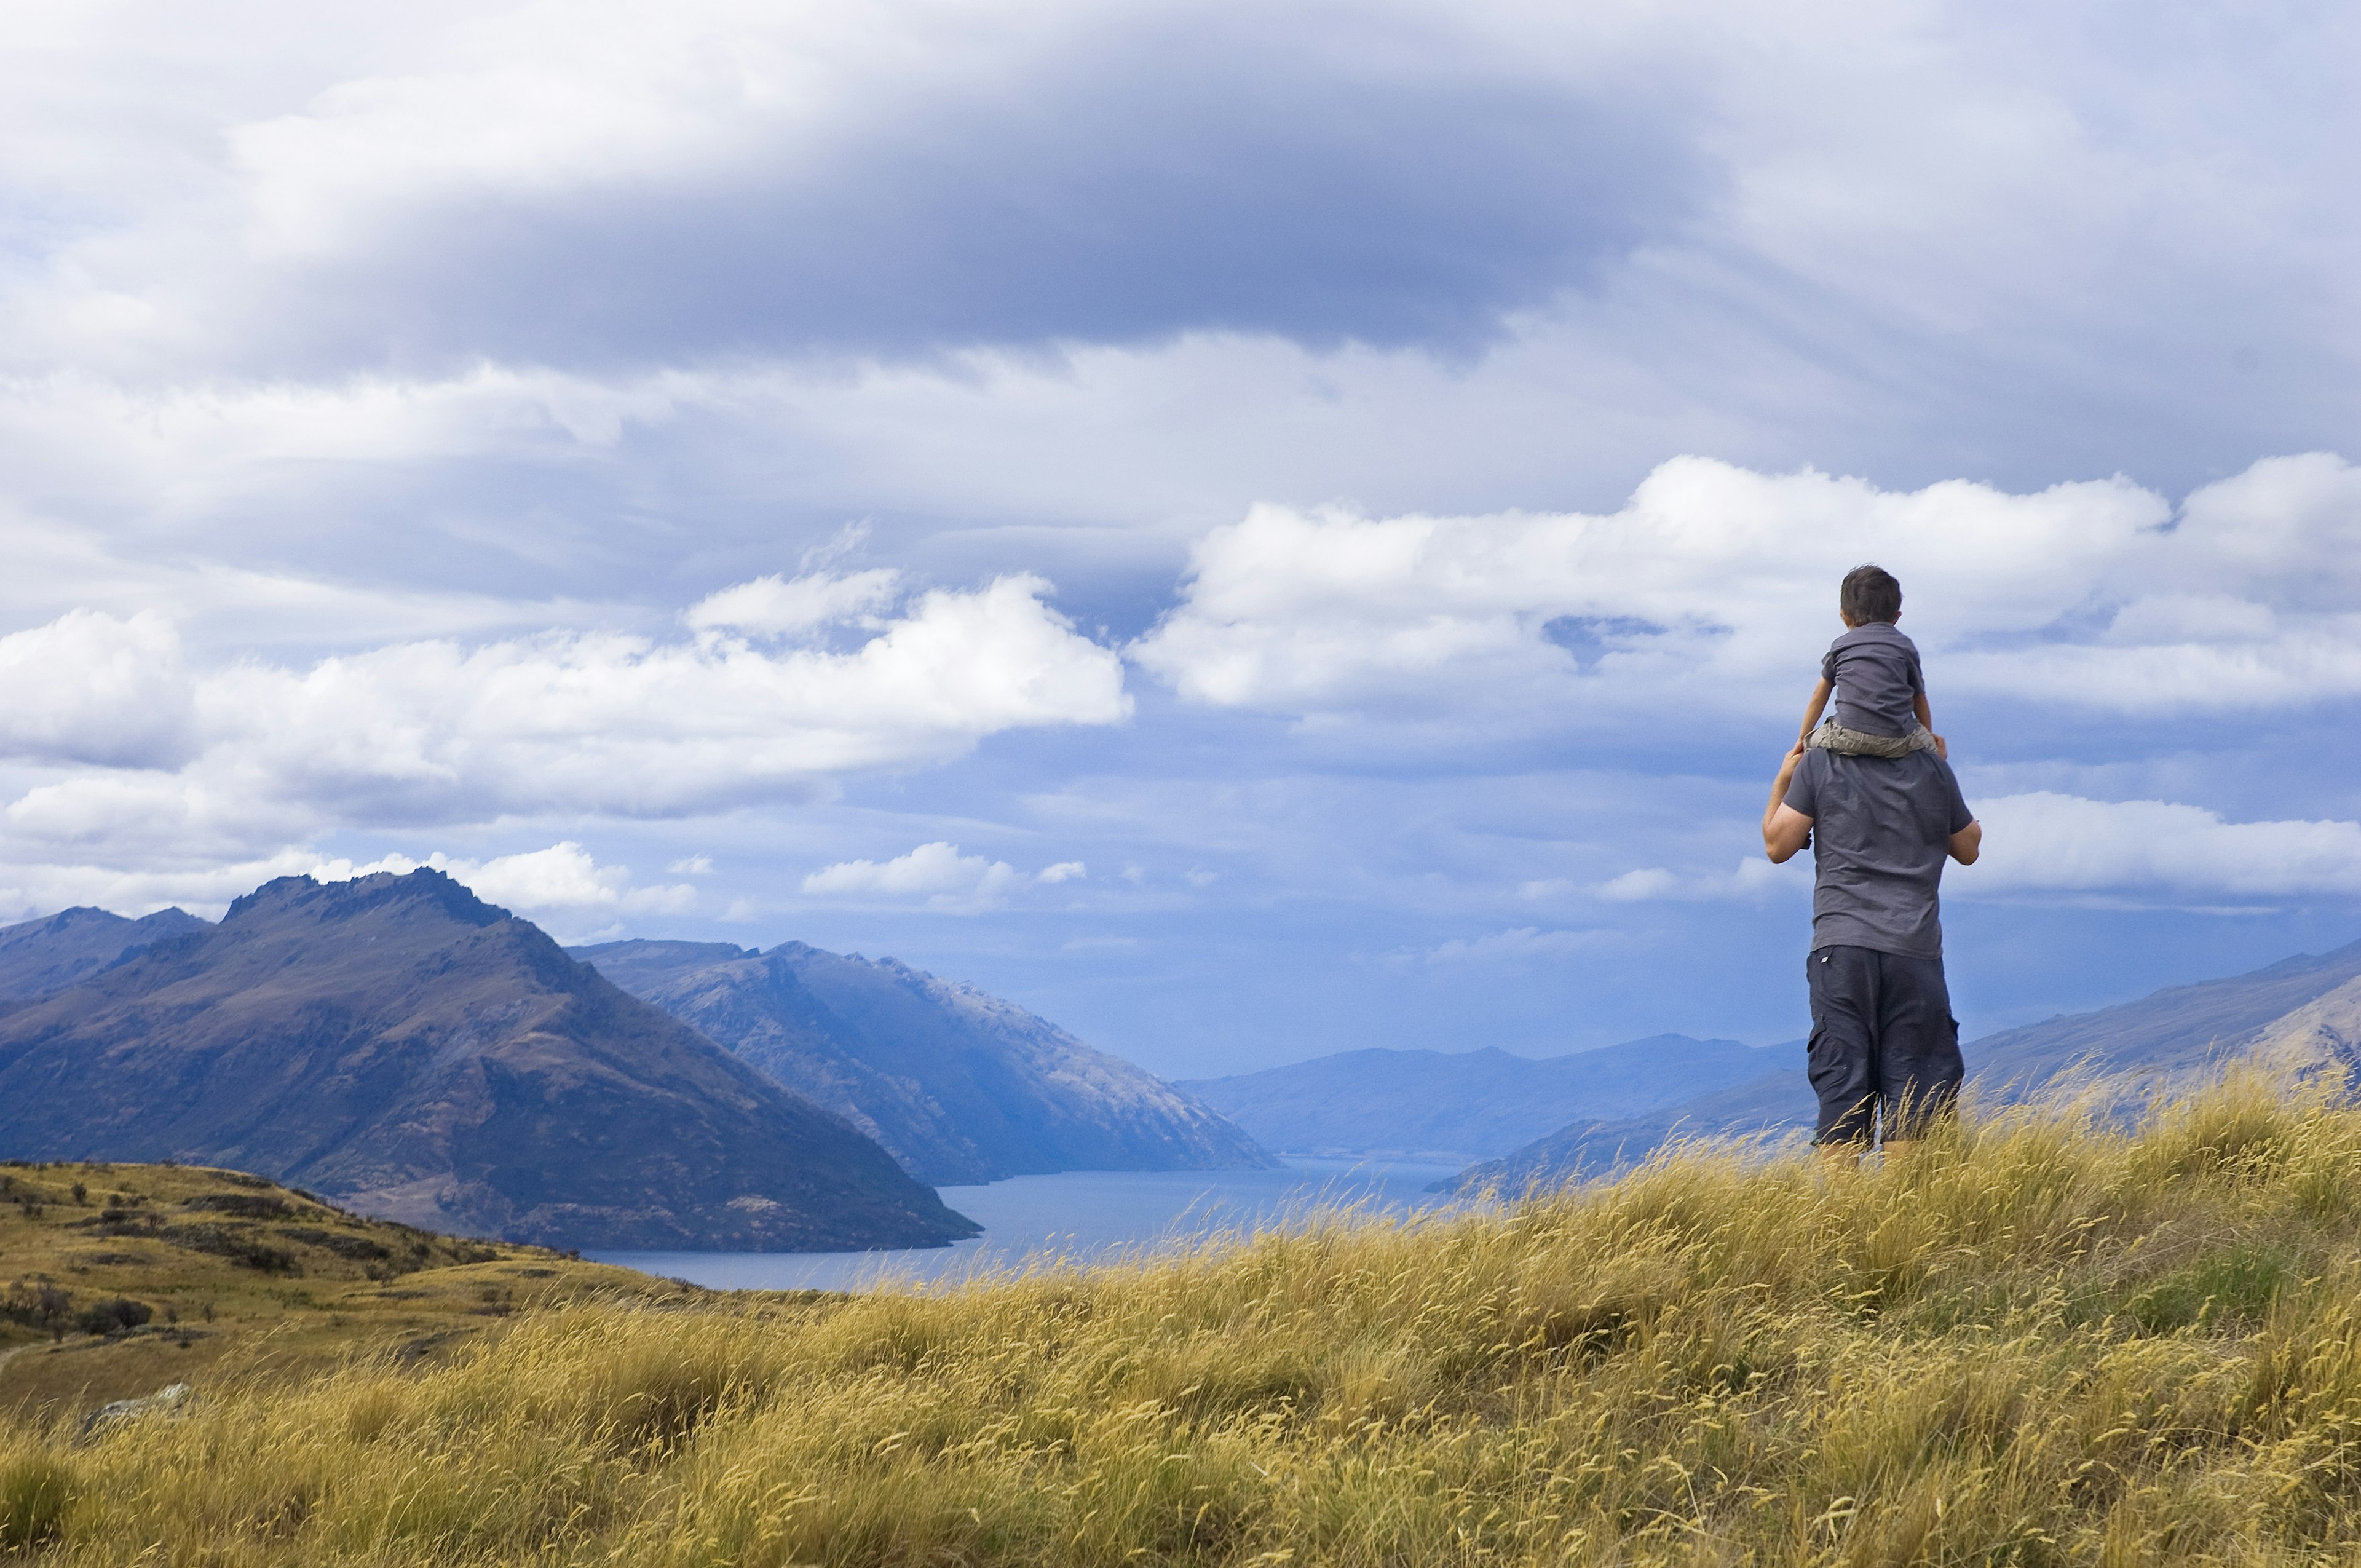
(1927, 722)
(1819, 701)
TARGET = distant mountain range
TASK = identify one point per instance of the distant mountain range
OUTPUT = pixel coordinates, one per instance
(2179, 1033)
(420, 1055)
(1452, 1106)
(2301, 1014)
(42, 956)
(959, 1086)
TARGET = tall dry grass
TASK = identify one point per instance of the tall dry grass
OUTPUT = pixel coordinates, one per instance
(2038, 1341)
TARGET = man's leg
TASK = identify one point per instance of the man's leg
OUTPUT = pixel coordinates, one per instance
(1917, 1051)
(1841, 1055)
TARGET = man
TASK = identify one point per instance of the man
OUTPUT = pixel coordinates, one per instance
(1885, 1046)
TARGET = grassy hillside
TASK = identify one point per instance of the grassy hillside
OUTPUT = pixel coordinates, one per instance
(2035, 1343)
(117, 1279)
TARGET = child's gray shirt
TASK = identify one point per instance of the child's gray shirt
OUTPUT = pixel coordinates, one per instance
(1875, 670)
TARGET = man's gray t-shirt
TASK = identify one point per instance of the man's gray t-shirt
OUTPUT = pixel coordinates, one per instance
(1875, 670)
(1880, 830)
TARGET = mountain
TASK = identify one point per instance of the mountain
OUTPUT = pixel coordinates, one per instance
(423, 1056)
(42, 956)
(1774, 1102)
(2301, 1014)
(1460, 1105)
(2166, 1036)
(959, 1086)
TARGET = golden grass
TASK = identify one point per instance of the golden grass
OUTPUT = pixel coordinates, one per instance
(2038, 1341)
(240, 1280)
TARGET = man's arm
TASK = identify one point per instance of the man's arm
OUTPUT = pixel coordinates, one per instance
(1785, 830)
(1968, 843)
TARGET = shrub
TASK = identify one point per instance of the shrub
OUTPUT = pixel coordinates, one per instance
(111, 1317)
(244, 1205)
(35, 1303)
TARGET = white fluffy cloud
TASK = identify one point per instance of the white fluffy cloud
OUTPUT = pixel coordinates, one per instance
(1518, 944)
(1753, 878)
(582, 721)
(155, 767)
(2042, 843)
(782, 606)
(1713, 592)
(562, 879)
(938, 874)
(89, 687)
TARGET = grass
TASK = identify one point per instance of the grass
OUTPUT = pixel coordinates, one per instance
(2038, 1341)
(117, 1279)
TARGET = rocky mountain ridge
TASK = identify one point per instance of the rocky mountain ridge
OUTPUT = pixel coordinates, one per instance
(419, 1055)
(959, 1085)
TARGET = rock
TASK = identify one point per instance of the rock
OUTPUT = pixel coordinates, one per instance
(170, 1400)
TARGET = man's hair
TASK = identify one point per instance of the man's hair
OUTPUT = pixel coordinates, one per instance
(1870, 592)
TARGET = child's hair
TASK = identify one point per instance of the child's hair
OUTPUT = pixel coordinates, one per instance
(1870, 592)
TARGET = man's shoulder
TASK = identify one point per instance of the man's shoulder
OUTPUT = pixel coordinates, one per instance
(1910, 772)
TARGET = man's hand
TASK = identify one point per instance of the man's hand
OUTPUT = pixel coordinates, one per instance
(1785, 830)
(1968, 843)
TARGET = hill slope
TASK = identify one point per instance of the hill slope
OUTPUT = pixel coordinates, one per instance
(50, 954)
(2032, 1343)
(2169, 1034)
(1464, 1104)
(121, 1279)
(958, 1085)
(423, 1056)
(2302, 1012)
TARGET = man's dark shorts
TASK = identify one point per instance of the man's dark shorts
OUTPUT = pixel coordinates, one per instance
(1884, 1043)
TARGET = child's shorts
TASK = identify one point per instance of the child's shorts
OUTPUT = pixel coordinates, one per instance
(1834, 737)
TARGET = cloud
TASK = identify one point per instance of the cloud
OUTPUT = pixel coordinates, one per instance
(1752, 879)
(937, 873)
(2043, 842)
(776, 607)
(563, 878)
(1518, 944)
(583, 721)
(141, 763)
(89, 687)
(1711, 595)
(686, 182)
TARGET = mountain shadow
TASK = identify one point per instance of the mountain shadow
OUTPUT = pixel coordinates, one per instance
(959, 1086)
(423, 1056)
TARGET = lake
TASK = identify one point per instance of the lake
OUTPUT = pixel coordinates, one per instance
(1078, 1215)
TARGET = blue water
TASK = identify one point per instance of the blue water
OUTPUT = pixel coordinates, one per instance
(1079, 1216)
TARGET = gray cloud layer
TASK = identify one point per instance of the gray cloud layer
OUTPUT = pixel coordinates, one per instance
(377, 391)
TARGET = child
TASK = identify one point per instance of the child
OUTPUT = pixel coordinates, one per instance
(1874, 670)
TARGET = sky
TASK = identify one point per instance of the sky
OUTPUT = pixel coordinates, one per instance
(1252, 529)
